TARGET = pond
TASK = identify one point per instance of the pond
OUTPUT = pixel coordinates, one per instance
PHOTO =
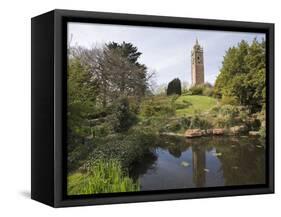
(177, 163)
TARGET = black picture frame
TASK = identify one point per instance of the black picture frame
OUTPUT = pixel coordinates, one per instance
(48, 108)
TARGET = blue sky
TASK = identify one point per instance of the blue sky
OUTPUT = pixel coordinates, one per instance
(167, 51)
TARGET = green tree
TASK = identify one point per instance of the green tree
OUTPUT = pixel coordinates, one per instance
(127, 50)
(116, 70)
(128, 76)
(81, 99)
(174, 87)
(123, 118)
(242, 76)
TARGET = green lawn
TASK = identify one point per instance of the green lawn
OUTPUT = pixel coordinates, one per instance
(193, 104)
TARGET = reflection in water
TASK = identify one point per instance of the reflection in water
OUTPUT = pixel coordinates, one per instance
(199, 164)
(202, 162)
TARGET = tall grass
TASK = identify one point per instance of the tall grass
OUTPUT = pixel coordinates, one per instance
(102, 177)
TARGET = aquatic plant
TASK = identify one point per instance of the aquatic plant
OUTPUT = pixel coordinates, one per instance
(101, 177)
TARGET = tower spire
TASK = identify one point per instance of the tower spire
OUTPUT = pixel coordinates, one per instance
(197, 64)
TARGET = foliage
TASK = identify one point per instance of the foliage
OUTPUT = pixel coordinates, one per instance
(261, 116)
(96, 78)
(181, 124)
(243, 75)
(102, 177)
(199, 122)
(174, 87)
(126, 148)
(122, 117)
(116, 70)
(101, 130)
(262, 132)
(229, 115)
(196, 90)
(229, 100)
(158, 106)
(78, 153)
(208, 90)
(203, 89)
(126, 75)
(81, 101)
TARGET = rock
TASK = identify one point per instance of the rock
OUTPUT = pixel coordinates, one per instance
(184, 164)
(218, 131)
(209, 131)
(193, 133)
(237, 129)
(171, 134)
(254, 133)
(203, 132)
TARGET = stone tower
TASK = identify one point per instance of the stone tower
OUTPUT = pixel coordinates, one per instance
(197, 64)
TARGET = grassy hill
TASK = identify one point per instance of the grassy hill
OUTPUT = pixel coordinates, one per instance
(184, 105)
(190, 104)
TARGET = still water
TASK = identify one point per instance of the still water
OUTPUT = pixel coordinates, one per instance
(202, 162)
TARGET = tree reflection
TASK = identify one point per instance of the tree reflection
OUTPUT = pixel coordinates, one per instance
(242, 164)
(199, 164)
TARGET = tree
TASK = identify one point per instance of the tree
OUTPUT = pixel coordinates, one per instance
(81, 103)
(242, 76)
(123, 118)
(174, 87)
(81, 98)
(129, 77)
(128, 51)
(116, 70)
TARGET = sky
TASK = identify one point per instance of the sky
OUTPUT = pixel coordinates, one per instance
(166, 51)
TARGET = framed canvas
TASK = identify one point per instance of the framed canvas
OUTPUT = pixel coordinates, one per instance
(134, 108)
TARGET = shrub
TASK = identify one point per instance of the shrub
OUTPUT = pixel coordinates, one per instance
(134, 104)
(261, 116)
(208, 91)
(101, 130)
(157, 108)
(101, 177)
(229, 100)
(196, 90)
(123, 118)
(126, 148)
(229, 115)
(172, 126)
(203, 89)
(262, 132)
(197, 122)
(184, 123)
(78, 155)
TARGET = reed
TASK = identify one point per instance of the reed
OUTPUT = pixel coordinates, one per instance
(101, 177)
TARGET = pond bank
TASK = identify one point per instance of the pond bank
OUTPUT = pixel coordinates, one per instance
(232, 131)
